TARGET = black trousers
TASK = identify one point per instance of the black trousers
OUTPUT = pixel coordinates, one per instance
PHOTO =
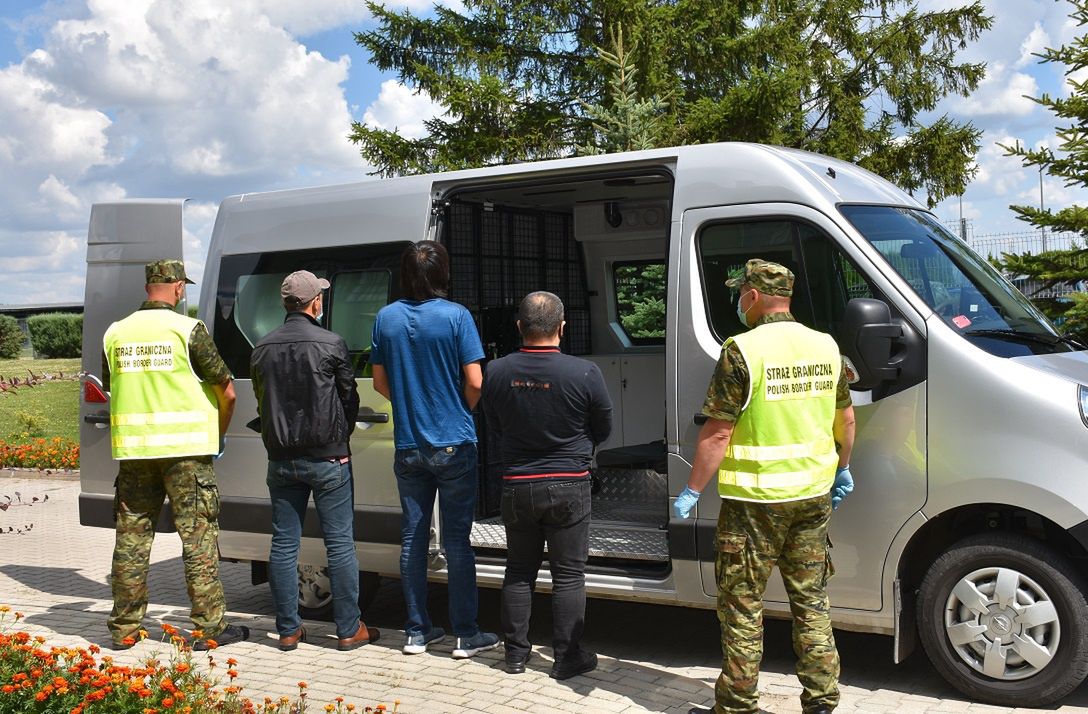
(557, 514)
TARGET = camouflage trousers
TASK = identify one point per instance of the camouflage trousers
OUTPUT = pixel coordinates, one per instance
(752, 539)
(142, 485)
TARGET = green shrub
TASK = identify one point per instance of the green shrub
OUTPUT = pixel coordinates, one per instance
(11, 337)
(56, 334)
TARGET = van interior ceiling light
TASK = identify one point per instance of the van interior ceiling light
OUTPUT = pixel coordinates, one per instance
(612, 214)
(1082, 400)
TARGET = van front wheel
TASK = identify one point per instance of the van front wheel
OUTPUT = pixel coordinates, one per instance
(1005, 621)
(315, 591)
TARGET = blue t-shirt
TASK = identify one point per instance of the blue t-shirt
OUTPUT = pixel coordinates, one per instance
(423, 347)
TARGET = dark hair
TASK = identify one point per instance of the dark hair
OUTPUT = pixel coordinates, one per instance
(425, 271)
(540, 314)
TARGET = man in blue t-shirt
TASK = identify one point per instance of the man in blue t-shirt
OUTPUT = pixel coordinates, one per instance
(426, 362)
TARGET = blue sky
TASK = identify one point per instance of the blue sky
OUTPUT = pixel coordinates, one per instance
(106, 99)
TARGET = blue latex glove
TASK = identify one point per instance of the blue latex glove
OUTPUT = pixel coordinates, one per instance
(686, 501)
(844, 484)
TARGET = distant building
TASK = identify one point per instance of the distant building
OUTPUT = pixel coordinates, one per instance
(22, 312)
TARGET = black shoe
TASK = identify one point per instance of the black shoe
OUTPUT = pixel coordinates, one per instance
(229, 635)
(585, 662)
(700, 710)
(515, 664)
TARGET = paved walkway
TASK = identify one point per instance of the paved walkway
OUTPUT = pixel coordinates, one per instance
(653, 658)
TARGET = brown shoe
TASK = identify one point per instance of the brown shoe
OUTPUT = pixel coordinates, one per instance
(290, 642)
(363, 636)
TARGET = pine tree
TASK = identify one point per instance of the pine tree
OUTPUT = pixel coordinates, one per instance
(1052, 268)
(628, 123)
(521, 80)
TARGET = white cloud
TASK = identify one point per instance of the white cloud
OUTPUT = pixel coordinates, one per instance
(1035, 43)
(402, 109)
(1002, 92)
(167, 98)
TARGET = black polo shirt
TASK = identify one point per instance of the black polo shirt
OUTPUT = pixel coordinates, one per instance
(546, 412)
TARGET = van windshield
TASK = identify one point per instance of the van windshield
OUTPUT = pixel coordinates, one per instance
(962, 288)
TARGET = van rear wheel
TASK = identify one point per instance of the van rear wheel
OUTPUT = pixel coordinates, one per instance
(315, 591)
(1005, 621)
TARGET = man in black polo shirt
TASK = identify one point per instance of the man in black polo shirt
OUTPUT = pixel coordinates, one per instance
(547, 412)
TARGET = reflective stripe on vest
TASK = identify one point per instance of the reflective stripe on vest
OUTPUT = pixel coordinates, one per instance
(782, 447)
(158, 406)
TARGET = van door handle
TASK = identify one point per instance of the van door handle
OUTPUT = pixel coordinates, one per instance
(374, 418)
(699, 419)
(100, 421)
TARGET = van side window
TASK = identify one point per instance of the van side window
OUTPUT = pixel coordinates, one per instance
(824, 278)
(640, 300)
(248, 305)
(355, 298)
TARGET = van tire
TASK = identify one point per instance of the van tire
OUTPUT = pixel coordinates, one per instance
(315, 598)
(1026, 573)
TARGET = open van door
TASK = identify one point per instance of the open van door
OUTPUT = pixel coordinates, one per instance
(123, 236)
(889, 456)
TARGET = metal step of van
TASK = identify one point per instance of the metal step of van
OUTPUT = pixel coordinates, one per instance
(630, 511)
(606, 540)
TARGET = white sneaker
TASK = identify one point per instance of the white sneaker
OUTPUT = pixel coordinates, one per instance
(417, 644)
(472, 646)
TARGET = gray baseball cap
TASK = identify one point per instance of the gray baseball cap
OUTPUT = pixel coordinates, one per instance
(301, 286)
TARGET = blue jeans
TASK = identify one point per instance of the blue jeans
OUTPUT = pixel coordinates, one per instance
(290, 483)
(449, 471)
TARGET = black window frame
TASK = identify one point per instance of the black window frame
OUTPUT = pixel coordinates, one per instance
(325, 261)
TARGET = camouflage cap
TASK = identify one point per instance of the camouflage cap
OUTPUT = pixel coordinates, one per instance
(766, 277)
(169, 270)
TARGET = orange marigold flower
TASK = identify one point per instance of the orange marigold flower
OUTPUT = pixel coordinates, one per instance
(329, 708)
(302, 685)
(231, 661)
(232, 673)
(212, 644)
(198, 634)
(168, 702)
(128, 641)
(59, 681)
(7, 689)
(41, 696)
(182, 667)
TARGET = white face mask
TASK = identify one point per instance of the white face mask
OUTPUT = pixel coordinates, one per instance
(742, 315)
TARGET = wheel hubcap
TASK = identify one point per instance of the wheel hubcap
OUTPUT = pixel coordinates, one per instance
(1002, 623)
(314, 588)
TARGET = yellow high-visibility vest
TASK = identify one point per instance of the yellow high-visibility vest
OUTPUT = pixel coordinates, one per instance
(158, 406)
(783, 445)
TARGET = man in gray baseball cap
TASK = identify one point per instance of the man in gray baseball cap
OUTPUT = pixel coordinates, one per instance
(307, 402)
(300, 287)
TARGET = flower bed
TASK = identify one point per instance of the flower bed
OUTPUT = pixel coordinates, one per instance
(40, 453)
(76, 680)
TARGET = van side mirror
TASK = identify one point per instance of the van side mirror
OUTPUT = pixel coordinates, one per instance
(866, 338)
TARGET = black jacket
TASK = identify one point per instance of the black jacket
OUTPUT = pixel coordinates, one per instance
(305, 388)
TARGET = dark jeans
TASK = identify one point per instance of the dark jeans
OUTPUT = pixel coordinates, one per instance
(290, 483)
(557, 514)
(449, 471)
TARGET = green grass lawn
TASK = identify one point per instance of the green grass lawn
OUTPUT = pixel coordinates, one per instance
(55, 405)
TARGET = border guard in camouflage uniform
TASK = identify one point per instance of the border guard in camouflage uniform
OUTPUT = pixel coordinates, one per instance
(171, 401)
(777, 405)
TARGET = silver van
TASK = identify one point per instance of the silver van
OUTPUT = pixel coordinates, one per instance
(969, 522)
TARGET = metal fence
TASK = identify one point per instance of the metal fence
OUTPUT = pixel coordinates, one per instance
(1030, 242)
